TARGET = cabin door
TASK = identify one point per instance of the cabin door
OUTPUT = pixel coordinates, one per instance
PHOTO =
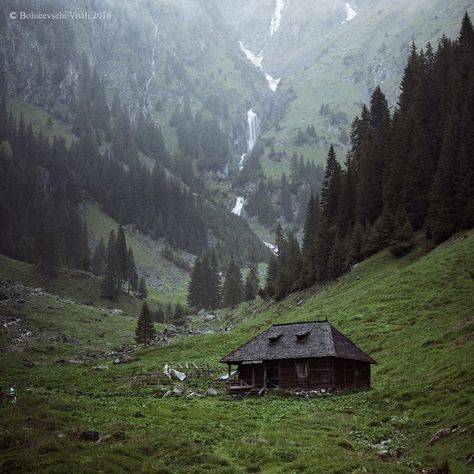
(272, 376)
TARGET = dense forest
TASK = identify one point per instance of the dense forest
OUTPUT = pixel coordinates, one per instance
(409, 171)
(120, 163)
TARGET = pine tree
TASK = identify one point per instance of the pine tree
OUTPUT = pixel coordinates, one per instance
(122, 255)
(45, 249)
(251, 280)
(142, 289)
(232, 291)
(179, 315)
(331, 186)
(466, 35)
(145, 331)
(98, 259)
(285, 200)
(111, 277)
(271, 276)
(213, 282)
(132, 276)
(159, 315)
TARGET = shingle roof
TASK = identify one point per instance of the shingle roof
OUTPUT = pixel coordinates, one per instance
(316, 339)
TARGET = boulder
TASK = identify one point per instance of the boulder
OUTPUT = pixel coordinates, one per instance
(212, 392)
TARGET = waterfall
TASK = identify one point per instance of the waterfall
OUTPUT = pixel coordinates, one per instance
(254, 132)
(152, 75)
(254, 129)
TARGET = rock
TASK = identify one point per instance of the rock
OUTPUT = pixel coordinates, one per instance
(167, 394)
(210, 317)
(195, 395)
(117, 311)
(123, 359)
(89, 436)
(212, 392)
(100, 367)
(470, 458)
(177, 391)
(442, 434)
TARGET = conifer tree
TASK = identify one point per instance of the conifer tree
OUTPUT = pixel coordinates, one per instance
(142, 289)
(232, 291)
(45, 249)
(111, 277)
(251, 280)
(331, 186)
(98, 259)
(145, 331)
(132, 276)
(122, 255)
(179, 315)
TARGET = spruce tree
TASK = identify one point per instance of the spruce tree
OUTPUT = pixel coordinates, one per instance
(331, 186)
(145, 331)
(232, 291)
(122, 255)
(142, 289)
(251, 280)
(111, 278)
(45, 249)
(132, 275)
(179, 315)
(98, 259)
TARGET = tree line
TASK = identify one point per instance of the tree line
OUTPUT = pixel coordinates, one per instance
(409, 171)
(206, 291)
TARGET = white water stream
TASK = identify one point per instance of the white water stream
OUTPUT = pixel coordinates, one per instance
(146, 110)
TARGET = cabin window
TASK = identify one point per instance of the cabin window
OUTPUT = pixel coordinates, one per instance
(273, 339)
(301, 370)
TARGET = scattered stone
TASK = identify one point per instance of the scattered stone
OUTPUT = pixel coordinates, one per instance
(177, 391)
(167, 394)
(210, 317)
(195, 395)
(442, 434)
(100, 367)
(123, 359)
(117, 312)
(300, 302)
(104, 439)
(470, 458)
(212, 392)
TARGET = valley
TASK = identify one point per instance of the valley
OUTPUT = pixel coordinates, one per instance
(180, 175)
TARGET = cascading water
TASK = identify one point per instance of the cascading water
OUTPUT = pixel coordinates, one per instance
(152, 75)
(253, 133)
(254, 129)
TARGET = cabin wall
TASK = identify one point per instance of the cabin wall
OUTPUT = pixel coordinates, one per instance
(308, 374)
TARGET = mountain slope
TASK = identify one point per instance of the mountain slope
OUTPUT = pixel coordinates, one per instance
(413, 315)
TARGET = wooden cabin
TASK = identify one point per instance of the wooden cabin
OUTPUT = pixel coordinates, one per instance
(300, 357)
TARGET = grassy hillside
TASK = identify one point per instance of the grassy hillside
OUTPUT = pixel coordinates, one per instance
(413, 315)
(167, 282)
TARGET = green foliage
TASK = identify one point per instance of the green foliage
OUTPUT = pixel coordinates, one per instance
(145, 331)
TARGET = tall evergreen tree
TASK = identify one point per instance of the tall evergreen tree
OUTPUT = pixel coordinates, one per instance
(232, 291)
(145, 331)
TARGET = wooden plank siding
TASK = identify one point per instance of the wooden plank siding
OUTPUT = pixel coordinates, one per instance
(308, 374)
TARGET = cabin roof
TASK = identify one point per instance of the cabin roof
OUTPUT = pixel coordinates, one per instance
(315, 339)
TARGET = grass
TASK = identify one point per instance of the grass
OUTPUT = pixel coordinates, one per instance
(413, 315)
(38, 118)
(169, 282)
